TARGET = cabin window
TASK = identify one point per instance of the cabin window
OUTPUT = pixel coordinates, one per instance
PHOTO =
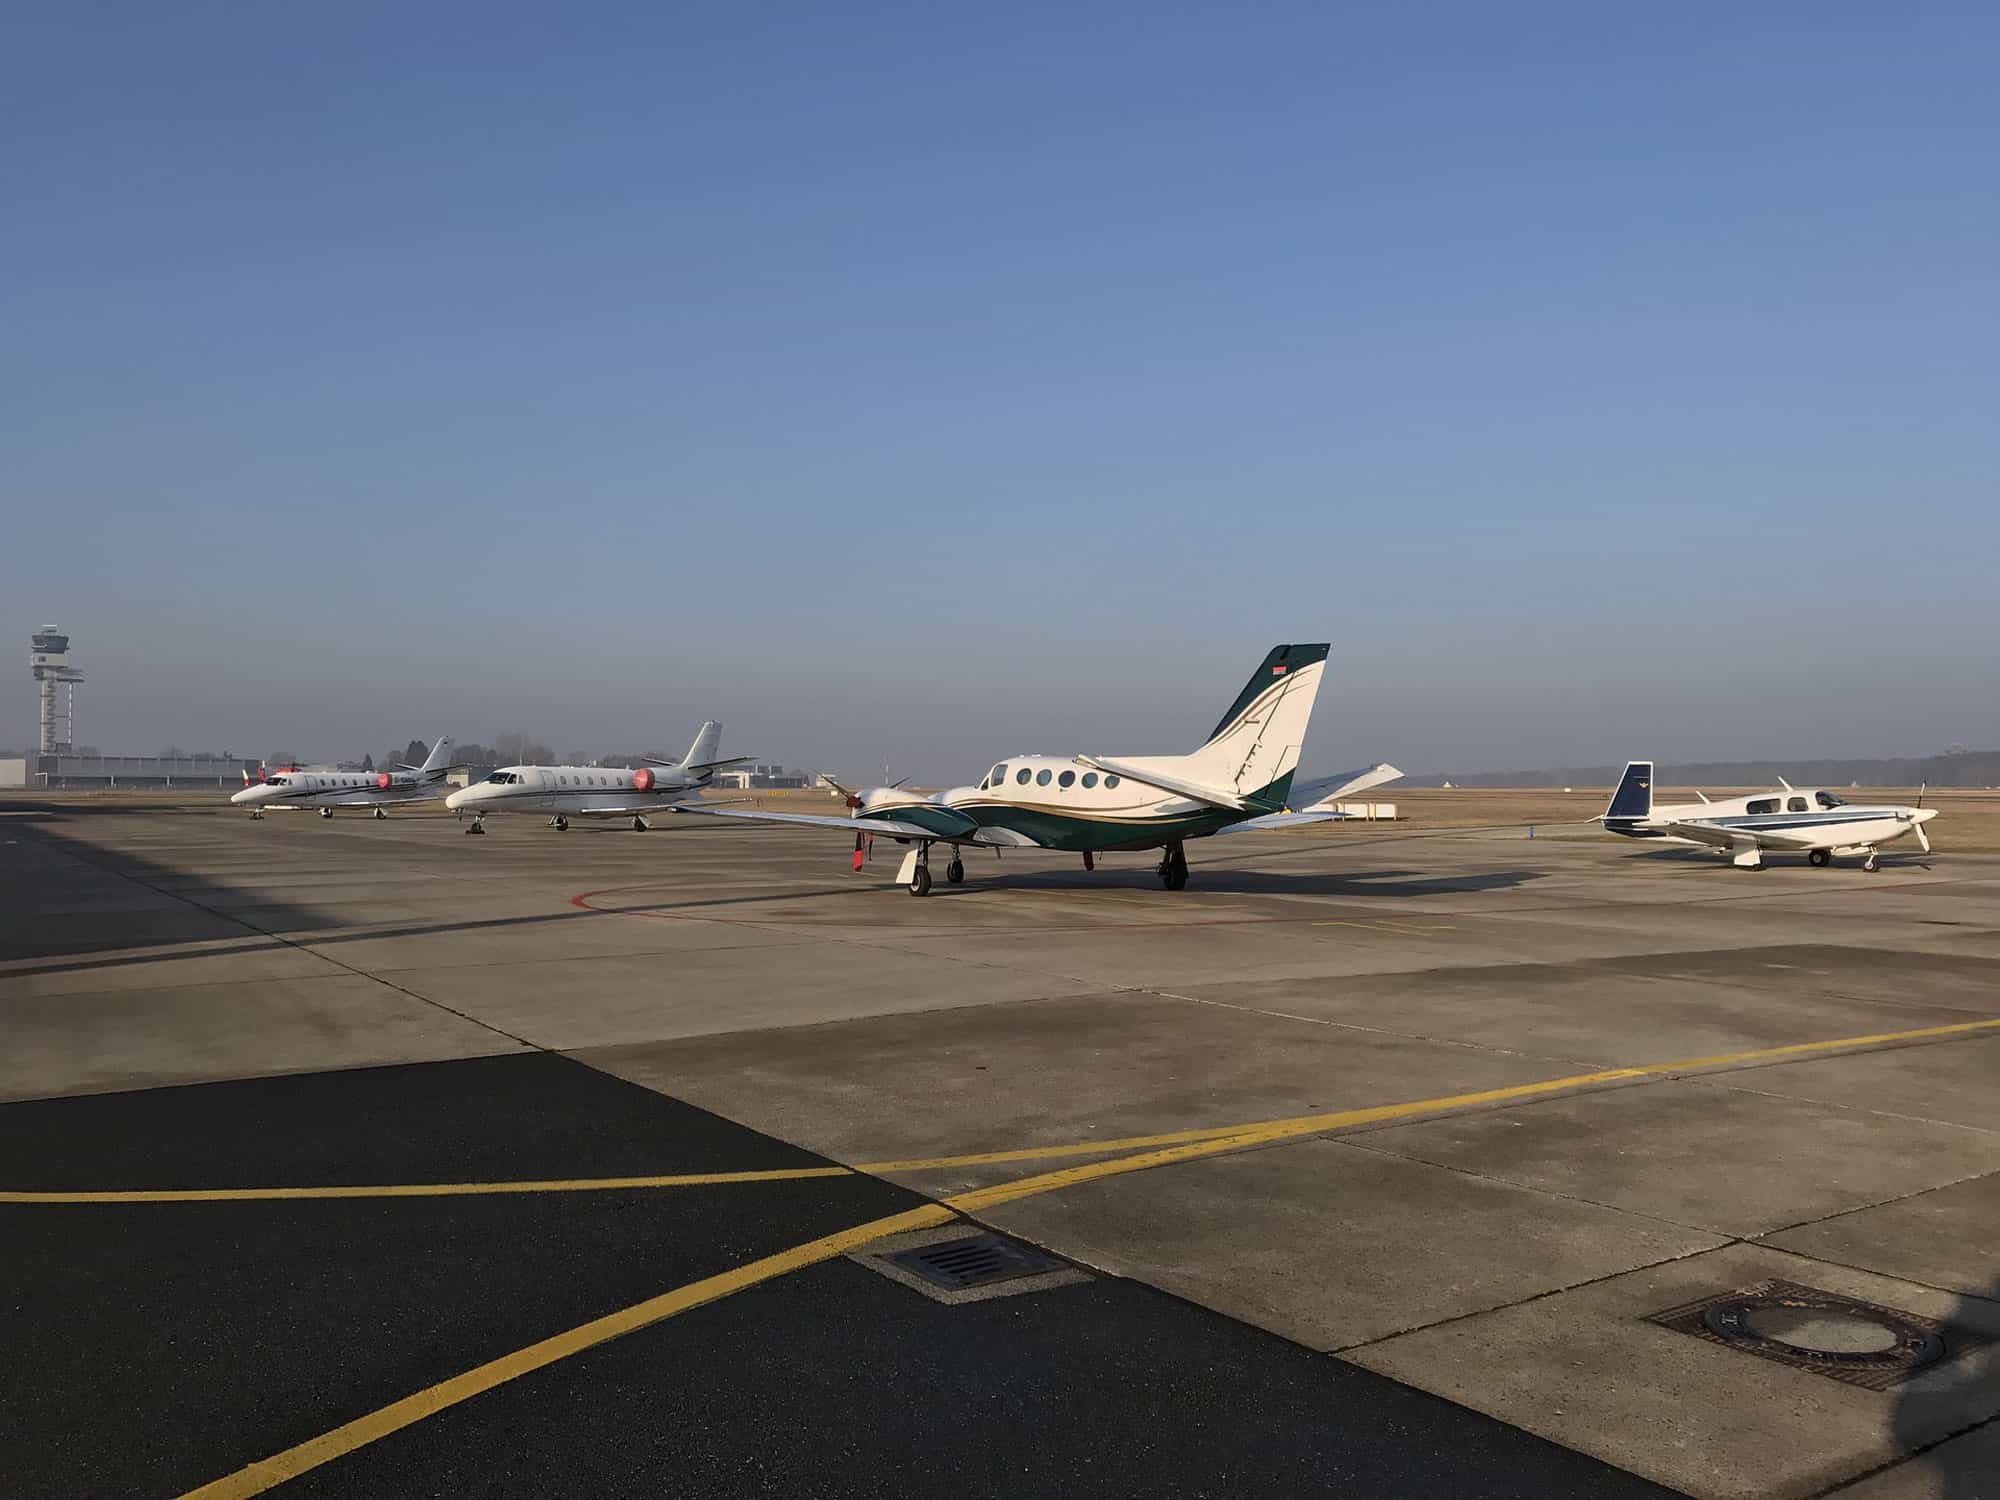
(1090, 778)
(1796, 804)
(1021, 776)
(1762, 805)
(1041, 778)
(1827, 799)
(1110, 782)
(1068, 778)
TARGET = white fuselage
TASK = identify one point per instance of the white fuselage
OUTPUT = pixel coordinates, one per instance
(325, 789)
(1803, 818)
(576, 791)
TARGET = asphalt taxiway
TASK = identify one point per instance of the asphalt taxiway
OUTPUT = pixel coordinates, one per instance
(359, 1157)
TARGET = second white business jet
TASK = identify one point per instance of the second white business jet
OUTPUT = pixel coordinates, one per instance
(565, 792)
(323, 791)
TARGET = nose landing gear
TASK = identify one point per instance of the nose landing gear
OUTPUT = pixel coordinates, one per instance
(559, 823)
(326, 812)
(478, 824)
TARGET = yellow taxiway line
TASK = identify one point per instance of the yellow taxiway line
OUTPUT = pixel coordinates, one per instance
(1253, 1131)
(1177, 1146)
(279, 1467)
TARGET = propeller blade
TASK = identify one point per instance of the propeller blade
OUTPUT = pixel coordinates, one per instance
(1921, 790)
(895, 784)
(1923, 838)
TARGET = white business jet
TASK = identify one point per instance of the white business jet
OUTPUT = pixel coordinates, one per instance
(565, 792)
(1792, 820)
(323, 791)
(1240, 780)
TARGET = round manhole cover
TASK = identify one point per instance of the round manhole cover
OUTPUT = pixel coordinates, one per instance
(1823, 1329)
(1822, 1332)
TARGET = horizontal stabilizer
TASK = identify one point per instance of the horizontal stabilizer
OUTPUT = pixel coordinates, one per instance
(1284, 820)
(1321, 794)
(1166, 781)
(717, 765)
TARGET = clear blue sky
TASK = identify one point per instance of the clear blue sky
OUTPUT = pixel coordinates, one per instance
(933, 383)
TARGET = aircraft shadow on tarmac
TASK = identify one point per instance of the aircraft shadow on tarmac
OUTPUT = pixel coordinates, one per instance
(1929, 1416)
(208, 912)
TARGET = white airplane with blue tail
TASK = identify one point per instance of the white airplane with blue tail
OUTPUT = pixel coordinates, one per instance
(1793, 820)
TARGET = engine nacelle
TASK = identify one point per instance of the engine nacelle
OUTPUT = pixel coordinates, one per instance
(643, 779)
(384, 781)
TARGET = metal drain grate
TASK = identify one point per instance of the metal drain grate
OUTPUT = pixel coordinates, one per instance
(1842, 1338)
(975, 1261)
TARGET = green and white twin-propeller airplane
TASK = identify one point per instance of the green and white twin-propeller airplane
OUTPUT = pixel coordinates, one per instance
(1793, 820)
(1240, 780)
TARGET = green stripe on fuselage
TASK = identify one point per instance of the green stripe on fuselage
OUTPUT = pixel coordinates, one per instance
(1072, 832)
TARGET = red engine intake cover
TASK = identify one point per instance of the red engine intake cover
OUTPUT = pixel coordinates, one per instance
(642, 779)
(383, 781)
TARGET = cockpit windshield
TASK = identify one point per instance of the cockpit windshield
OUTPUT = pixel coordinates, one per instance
(503, 778)
(275, 781)
(1827, 799)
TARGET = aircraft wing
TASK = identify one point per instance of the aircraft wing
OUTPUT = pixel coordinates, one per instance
(1720, 836)
(875, 827)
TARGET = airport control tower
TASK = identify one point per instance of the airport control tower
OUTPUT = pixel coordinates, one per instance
(55, 681)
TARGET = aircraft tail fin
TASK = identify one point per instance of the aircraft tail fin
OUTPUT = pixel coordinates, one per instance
(1248, 762)
(707, 740)
(1255, 746)
(437, 759)
(1632, 802)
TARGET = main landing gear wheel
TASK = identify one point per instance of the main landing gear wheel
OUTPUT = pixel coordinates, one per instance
(1819, 858)
(1871, 864)
(920, 882)
(640, 825)
(326, 812)
(1174, 868)
(955, 872)
(562, 825)
(380, 816)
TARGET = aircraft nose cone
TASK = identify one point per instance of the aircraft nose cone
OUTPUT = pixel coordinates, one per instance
(1925, 814)
(242, 796)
